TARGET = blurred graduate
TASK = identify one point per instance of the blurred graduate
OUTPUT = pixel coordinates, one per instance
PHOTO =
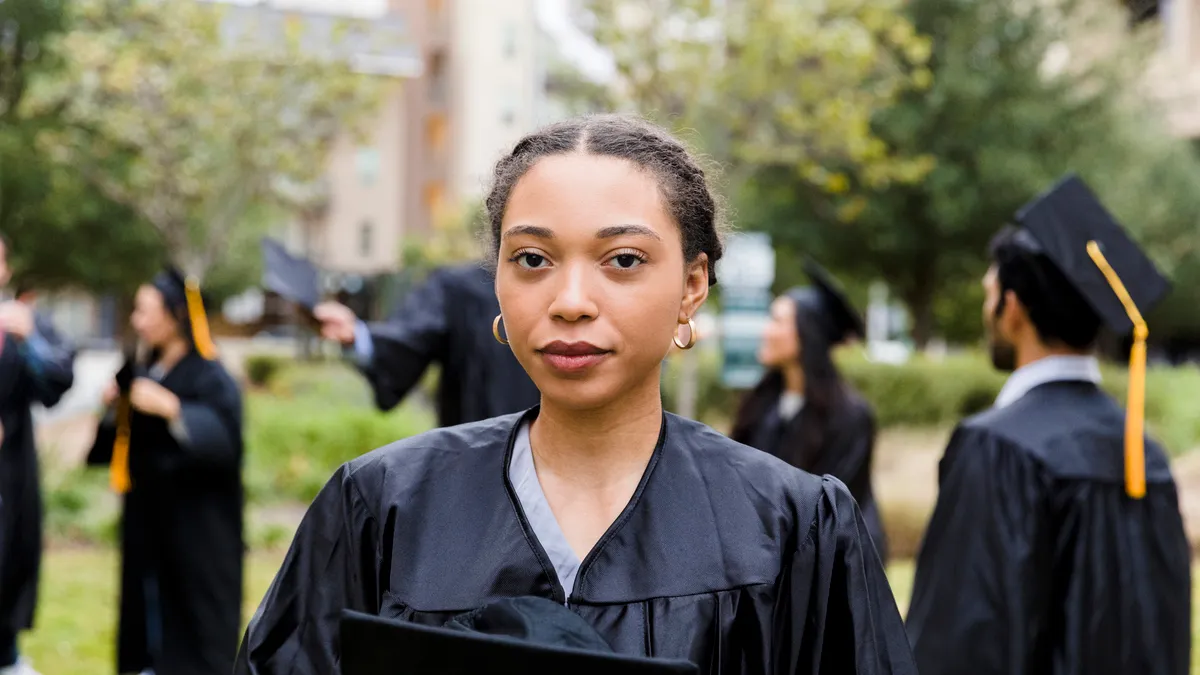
(36, 366)
(172, 440)
(802, 411)
(448, 320)
(1056, 545)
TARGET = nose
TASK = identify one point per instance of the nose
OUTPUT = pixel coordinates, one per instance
(573, 299)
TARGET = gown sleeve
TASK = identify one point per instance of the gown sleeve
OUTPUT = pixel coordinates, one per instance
(405, 345)
(981, 593)
(840, 614)
(332, 565)
(209, 427)
(50, 363)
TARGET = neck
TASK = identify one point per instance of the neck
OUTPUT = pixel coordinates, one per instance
(1036, 350)
(597, 448)
(172, 353)
(793, 379)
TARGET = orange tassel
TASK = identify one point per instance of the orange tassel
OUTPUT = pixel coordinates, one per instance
(1135, 410)
(118, 469)
(200, 335)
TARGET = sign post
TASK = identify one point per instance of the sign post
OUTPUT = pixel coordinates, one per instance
(746, 272)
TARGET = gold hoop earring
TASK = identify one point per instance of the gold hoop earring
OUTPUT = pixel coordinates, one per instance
(496, 329)
(691, 342)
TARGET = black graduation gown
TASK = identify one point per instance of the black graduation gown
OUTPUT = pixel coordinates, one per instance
(181, 534)
(724, 556)
(1036, 561)
(448, 319)
(25, 380)
(845, 453)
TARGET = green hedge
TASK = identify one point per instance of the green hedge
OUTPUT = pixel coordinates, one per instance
(927, 392)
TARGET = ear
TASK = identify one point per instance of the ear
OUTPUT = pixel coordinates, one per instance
(695, 287)
(1013, 317)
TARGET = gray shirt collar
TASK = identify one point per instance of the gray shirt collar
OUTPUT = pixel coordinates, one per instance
(1045, 371)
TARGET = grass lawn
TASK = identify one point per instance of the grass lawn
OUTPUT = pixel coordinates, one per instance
(78, 609)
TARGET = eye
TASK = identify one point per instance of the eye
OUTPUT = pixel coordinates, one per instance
(627, 260)
(529, 260)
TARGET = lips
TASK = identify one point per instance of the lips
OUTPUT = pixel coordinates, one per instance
(572, 357)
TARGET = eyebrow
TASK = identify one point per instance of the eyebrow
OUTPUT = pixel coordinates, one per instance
(605, 233)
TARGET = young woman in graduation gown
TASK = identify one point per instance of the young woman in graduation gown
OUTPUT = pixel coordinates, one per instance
(669, 538)
(802, 411)
(173, 444)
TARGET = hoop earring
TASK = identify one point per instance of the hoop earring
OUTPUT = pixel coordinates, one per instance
(691, 342)
(496, 330)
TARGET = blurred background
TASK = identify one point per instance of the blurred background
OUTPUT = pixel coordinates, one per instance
(889, 139)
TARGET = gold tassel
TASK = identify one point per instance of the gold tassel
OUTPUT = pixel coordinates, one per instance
(200, 335)
(118, 469)
(1135, 410)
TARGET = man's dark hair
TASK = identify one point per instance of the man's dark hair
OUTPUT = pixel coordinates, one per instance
(1056, 308)
(681, 179)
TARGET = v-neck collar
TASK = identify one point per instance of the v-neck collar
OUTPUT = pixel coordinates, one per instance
(561, 593)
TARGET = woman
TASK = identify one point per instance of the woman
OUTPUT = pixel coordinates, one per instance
(670, 539)
(802, 411)
(173, 443)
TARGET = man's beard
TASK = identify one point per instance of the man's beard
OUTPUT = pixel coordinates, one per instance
(1004, 354)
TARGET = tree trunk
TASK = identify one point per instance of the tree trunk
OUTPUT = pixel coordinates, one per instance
(919, 300)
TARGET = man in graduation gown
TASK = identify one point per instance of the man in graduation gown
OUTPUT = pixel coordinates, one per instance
(447, 319)
(36, 366)
(1057, 545)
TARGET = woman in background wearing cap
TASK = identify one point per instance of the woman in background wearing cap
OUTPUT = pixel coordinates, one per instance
(173, 442)
(802, 411)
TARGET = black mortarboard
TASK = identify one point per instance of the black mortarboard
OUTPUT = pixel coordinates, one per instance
(1064, 220)
(294, 279)
(520, 635)
(182, 297)
(826, 302)
(1072, 229)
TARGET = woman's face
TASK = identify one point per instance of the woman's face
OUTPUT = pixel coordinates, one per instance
(591, 278)
(780, 344)
(153, 323)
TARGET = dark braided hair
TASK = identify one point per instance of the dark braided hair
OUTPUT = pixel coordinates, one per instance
(681, 180)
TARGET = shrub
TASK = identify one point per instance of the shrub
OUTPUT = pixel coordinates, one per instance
(262, 369)
(925, 392)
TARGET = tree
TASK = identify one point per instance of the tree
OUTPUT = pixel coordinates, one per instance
(1002, 124)
(190, 118)
(792, 84)
(25, 25)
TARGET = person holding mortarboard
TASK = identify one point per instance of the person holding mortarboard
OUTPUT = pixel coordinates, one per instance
(1057, 545)
(802, 411)
(448, 319)
(172, 441)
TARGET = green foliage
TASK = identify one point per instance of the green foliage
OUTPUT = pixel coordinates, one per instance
(190, 126)
(939, 393)
(261, 369)
(763, 82)
(1001, 127)
(313, 419)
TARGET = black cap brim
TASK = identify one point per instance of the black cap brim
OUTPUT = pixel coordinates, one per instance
(844, 321)
(1068, 216)
(294, 279)
(372, 645)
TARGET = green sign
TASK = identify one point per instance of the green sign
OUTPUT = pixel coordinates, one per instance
(746, 272)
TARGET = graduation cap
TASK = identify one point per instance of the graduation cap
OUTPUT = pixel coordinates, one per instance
(294, 279)
(827, 303)
(1083, 240)
(518, 635)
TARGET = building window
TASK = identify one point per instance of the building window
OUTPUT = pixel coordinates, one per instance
(437, 78)
(366, 235)
(510, 40)
(508, 109)
(435, 201)
(366, 163)
(436, 133)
